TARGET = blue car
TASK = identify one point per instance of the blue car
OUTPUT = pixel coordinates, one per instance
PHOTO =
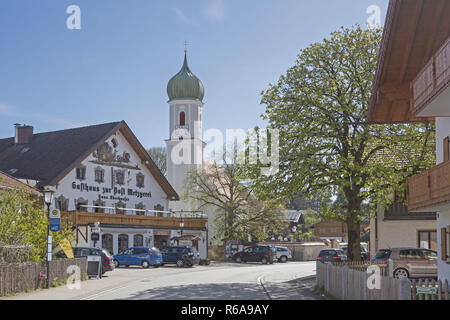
(139, 256)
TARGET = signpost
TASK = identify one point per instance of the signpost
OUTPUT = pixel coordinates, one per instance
(55, 220)
(426, 290)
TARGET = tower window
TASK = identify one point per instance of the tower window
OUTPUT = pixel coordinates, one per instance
(182, 118)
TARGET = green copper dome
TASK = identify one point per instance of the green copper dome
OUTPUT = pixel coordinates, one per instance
(185, 85)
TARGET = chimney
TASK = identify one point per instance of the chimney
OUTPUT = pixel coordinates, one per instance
(23, 133)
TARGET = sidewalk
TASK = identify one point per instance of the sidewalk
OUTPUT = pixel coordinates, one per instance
(297, 289)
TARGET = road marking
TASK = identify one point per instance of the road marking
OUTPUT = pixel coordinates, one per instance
(260, 282)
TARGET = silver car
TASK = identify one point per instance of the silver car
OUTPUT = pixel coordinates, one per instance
(412, 262)
(283, 254)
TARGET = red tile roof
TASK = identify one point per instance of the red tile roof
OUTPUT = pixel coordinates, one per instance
(10, 182)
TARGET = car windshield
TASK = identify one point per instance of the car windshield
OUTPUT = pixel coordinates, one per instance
(341, 252)
(382, 254)
(155, 250)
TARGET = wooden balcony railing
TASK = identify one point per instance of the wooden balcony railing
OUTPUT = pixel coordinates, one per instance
(79, 218)
(430, 190)
(432, 79)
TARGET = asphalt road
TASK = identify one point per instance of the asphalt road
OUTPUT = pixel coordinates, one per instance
(218, 281)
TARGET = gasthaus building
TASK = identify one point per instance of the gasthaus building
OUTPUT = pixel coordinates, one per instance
(102, 174)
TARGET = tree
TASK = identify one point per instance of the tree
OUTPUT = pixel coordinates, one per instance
(238, 213)
(23, 221)
(158, 155)
(326, 147)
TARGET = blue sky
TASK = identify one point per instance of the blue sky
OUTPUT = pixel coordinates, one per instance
(118, 65)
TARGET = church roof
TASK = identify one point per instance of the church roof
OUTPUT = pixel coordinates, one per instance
(185, 85)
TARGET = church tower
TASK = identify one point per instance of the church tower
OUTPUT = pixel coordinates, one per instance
(185, 145)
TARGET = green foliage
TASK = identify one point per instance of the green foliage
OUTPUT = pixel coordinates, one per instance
(238, 214)
(326, 147)
(158, 155)
(23, 221)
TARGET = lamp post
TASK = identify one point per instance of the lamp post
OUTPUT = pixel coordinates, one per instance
(48, 198)
(181, 225)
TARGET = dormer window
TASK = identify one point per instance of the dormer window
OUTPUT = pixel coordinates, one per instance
(81, 172)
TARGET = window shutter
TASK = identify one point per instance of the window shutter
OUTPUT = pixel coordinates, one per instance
(446, 149)
(444, 244)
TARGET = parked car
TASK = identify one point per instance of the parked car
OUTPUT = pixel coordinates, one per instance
(181, 256)
(283, 254)
(331, 255)
(410, 262)
(81, 252)
(382, 255)
(363, 250)
(263, 254)
(139, 256)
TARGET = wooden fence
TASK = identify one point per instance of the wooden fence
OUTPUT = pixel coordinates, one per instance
(347, 282)
(20, 277)
(430, 290)
(363, 265)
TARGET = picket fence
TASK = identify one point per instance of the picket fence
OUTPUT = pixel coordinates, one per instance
(350, 282)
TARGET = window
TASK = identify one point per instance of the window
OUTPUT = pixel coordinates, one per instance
(429, 255)
(123, 243)
(99, 175)
(99, 203)
(138, 241)
(445, 244)
(182, 118)
(410, 254)
(119, 208)
(81, 173)
(139, 180)
(140, 206)
(62, 203)
(120, 177)
(428, 240)
(159, 207)
(80, 203)
(107, 242)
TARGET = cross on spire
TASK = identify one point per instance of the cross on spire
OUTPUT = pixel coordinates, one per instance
(185, 46)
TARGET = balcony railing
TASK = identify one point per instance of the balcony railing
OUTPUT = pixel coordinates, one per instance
(134, 217)
(432, 79)
(430, 190)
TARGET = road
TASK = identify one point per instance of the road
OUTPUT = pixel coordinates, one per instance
(218, 281)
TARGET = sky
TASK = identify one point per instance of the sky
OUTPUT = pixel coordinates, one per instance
(117, 65)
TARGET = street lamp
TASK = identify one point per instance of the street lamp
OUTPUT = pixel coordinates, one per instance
(181, 225)
(48, 198)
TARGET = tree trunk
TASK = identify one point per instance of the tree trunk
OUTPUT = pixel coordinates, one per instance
(353, 228)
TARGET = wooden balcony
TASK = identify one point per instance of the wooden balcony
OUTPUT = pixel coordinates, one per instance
(78, 218)
(430, 84)
(430, 190)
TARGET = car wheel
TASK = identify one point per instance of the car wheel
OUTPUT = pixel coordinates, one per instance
(264, 260)
(145, 264)
(238, 260)
(116, 263)
(180, 263)
(283, 259)
(401, 273)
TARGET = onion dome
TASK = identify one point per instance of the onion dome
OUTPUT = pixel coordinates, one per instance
(185, 85)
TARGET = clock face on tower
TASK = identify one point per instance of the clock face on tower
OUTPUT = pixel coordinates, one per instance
(182, 133)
